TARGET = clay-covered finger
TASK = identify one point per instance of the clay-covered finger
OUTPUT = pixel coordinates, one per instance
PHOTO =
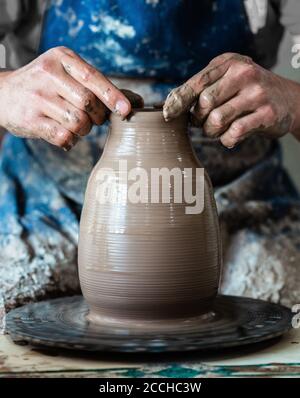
(243, 127)
(178, 101)
(184, 97)
(214, 96)
(54, 133)
(81, 97)
(97, 83)
(221, 117)
(70, 117)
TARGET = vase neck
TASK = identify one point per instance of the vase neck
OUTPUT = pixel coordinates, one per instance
(146, 132)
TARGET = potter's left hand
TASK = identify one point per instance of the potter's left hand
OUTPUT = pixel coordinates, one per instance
(233, 98)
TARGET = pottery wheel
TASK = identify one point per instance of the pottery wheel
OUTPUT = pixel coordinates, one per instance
(234, 321)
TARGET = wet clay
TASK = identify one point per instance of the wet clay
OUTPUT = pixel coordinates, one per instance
(179, 100)
(141, 262)
(135, 99)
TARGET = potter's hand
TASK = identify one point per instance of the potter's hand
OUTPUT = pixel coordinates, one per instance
(57, 97)
(233, 97)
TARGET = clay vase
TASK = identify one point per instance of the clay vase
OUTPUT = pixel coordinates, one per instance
(147, 261)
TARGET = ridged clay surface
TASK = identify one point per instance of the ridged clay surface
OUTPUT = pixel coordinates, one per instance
(147, 261)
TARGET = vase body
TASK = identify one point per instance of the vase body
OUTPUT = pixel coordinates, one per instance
(140, 260)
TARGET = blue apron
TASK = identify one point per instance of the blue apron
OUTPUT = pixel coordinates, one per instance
(166, 39)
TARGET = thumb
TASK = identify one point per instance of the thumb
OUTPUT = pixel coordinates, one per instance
(179, 100)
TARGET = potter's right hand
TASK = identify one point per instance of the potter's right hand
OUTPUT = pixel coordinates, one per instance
(57, 97)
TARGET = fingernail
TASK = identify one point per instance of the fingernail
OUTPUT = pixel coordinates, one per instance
(232, 145)
(67, 147)
(166, 115)
(121, 107)
(75, 139)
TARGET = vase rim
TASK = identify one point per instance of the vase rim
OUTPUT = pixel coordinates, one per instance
(148, 109)
(155, 114)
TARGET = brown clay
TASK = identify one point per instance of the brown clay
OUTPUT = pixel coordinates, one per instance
(179, 100)
(147, 261)
(135, 99)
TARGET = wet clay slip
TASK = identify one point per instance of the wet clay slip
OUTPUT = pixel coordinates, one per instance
(141, 262)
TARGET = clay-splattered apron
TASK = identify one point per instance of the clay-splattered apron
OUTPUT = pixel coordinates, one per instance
(42, 187)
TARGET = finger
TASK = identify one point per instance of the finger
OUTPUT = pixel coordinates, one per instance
(98, 84)
(213, 96)
(245, 126)
(220, 118)
(81, 97)
(225, 88)
(70, 117)
(183, 97)
(213, 72)
(54, 133)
